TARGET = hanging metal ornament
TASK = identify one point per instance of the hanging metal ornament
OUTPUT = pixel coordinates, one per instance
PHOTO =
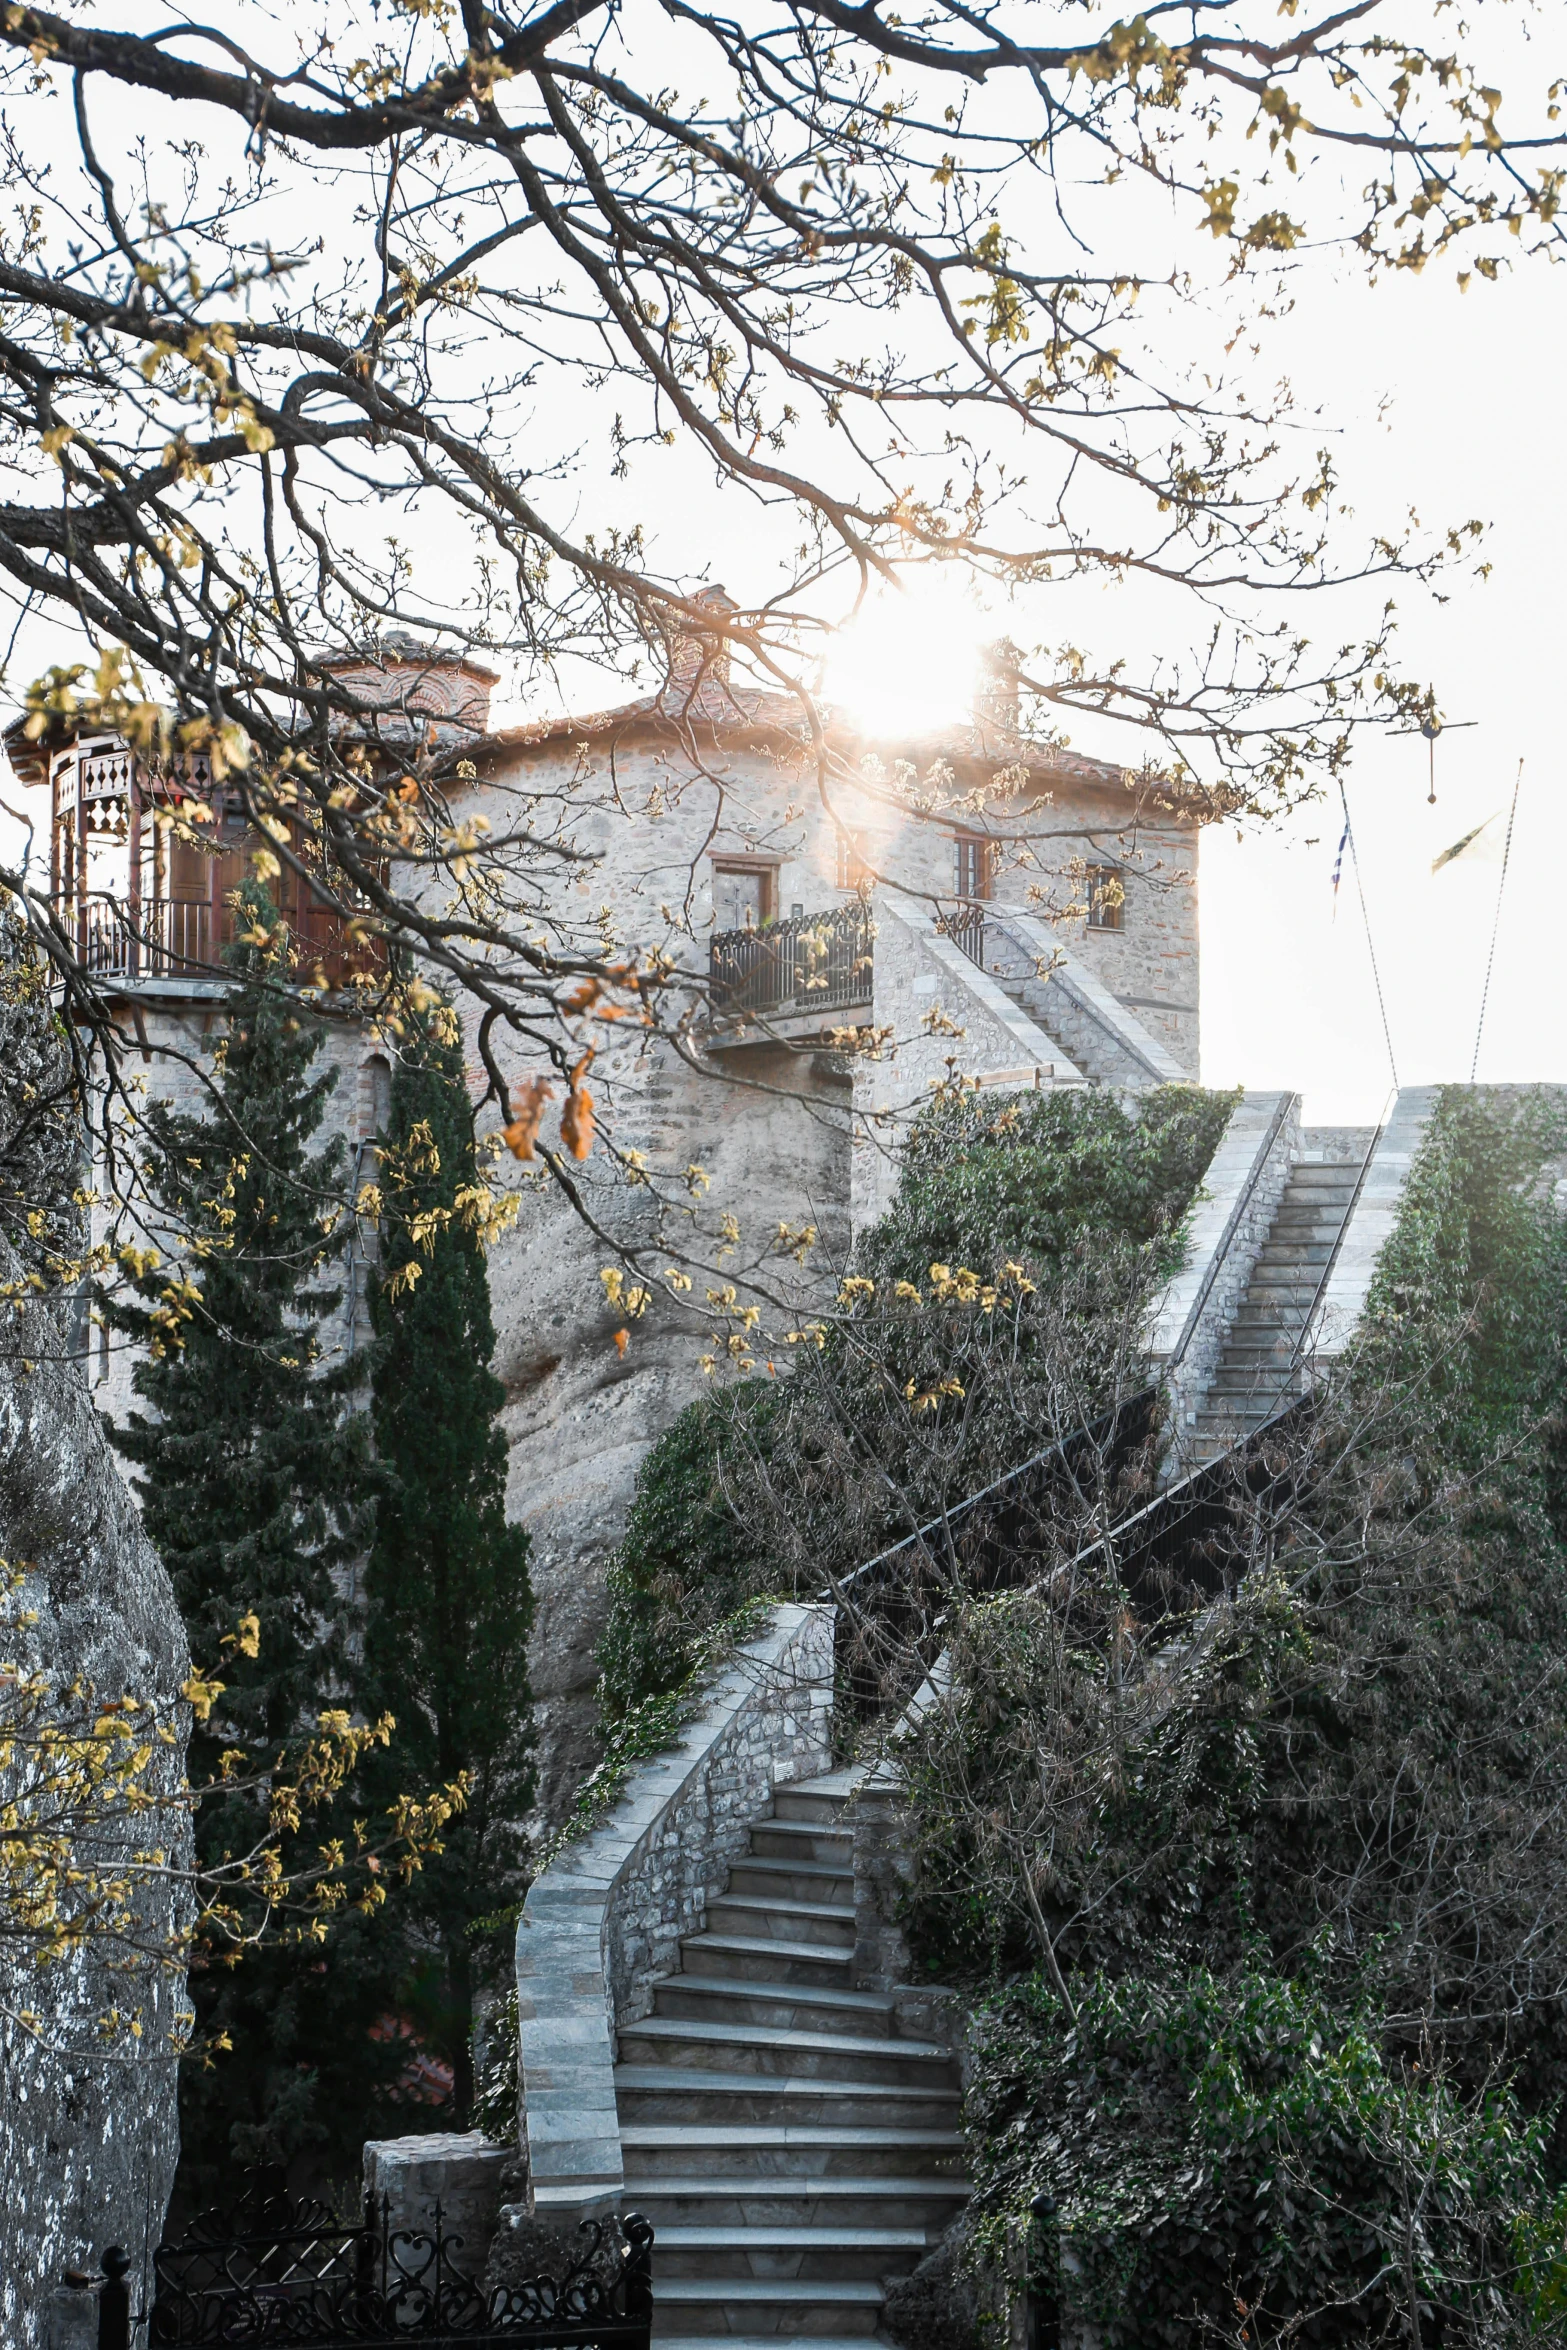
(1431, 728)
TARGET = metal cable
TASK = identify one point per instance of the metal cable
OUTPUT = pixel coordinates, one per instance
(1496, 923)
(1360, 891)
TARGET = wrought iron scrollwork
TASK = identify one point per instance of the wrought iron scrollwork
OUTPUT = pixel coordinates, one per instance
(281, 2270)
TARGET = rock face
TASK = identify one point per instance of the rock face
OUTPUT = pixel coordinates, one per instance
(581, 1416)
(90, 2135)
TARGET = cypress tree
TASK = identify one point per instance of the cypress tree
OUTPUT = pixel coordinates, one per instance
(449, 1602)
(255, 1480)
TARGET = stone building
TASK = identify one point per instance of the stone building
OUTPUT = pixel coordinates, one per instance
(977, 902)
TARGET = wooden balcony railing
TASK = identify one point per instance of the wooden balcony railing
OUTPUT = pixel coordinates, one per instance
(173, 938)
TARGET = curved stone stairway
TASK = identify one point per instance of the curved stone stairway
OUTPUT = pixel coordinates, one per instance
(793, 2151)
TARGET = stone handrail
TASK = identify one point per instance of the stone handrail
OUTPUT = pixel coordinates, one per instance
(605, 1919)
(1371, 1221)
(1056, 966)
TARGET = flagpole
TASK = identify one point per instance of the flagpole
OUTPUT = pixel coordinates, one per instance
(1496, 924)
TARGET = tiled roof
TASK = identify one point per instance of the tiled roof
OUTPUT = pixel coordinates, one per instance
(739, 711)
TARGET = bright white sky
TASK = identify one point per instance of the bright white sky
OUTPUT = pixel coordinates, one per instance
(1472, 427)
(1287, 990)
(1469, 390)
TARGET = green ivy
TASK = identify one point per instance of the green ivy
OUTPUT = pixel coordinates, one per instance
(986, 1177)
(1235, 2159)
(682, 1536)
(1468, 1295)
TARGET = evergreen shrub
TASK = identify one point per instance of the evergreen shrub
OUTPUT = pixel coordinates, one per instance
(1234, 2159)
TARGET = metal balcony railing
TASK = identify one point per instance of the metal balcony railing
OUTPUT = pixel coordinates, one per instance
(811, 963)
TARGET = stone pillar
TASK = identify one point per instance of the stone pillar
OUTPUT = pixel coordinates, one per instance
(460, 2170)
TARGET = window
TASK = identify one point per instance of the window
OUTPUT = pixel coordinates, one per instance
(1105, 897)
(743, 895)
(375, 1095)
(855, 870)
(972, 865)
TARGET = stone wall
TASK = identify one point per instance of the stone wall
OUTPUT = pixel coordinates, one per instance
(1372, 1219)
(606, 1918)
(458, 2169)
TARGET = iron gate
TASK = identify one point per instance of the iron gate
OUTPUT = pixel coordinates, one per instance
(276, 2269)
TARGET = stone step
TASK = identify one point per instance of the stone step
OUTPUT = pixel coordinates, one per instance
(1288, 1256)
(1289, 1296)
(822, 1799)
(739, 2048)
(811, 1840)
(1225, 1433)
(798, 2202)
(794, 1880)
(752, 2151)
(784, 2007)
(779, 1918)
(1245, 1379)
(1243, 1414)
(707, 2306)
(668, 2341)
(669, 2093)
(766, 1958)
(825, 2255)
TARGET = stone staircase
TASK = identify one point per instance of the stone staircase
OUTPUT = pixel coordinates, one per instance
(793, 2151)
(1103, 1038)
(1094, 1052)
(1257, 1370)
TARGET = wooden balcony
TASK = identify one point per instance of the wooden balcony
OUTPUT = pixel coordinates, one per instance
(185, 939)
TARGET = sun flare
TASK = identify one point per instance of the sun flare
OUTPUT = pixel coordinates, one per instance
(908, 662)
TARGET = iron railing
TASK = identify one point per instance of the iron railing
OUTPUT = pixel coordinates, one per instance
(965, 925)
(894, 1605)
(1237, 1215)
(276, 2269)
(811, 963)
(1186, 1547)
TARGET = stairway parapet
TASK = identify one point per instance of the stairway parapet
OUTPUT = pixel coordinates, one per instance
(1072, 1003)
(1372, 1218)
(606, 1919)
